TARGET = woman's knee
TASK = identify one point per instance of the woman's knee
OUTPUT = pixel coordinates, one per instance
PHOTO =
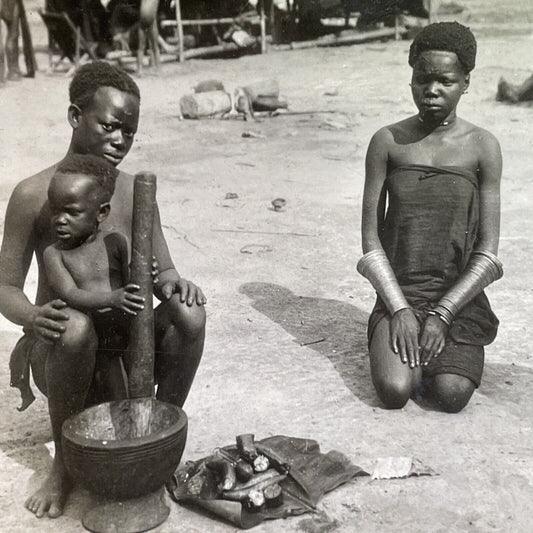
(394, 393)
(393, 380)
(452, 392)
(79, 334)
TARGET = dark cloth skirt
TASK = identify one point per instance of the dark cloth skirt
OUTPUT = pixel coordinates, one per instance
(474, 327)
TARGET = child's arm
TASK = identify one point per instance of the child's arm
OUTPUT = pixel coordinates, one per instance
(124, 258)
(64, 286)
(404, 326)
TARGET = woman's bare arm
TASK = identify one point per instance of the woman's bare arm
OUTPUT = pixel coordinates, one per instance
(374, 195)
(403, 326)
(490, 171)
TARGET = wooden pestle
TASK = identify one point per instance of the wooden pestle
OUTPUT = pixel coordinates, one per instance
(141, 338)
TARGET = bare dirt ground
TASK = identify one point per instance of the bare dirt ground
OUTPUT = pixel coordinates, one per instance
(299, 284)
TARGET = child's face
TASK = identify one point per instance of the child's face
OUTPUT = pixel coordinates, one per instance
(107, 126)
(437, 84)
(75, 206)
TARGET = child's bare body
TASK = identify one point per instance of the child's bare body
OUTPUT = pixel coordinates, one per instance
(95, 269)
(88, 268)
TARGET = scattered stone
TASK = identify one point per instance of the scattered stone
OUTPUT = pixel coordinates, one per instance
(279, 203)
(248, 134)
(256, 249)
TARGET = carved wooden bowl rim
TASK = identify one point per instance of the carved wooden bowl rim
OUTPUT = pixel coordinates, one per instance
(72, 425)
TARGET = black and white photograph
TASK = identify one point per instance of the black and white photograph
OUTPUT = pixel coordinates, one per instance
(266, 265)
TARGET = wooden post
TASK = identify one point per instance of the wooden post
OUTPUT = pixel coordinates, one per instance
(273, 30)
(432, 8)
(78, 46)
(397, 27)
(141, 345)
(181, 57)
(27, 43)
(263, 25)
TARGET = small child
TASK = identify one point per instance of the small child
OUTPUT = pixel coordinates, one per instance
(430, 229)
(89, 268)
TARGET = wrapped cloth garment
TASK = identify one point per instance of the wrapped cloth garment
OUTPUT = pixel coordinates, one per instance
(111, 329)
(19, 366)
(429, 233)
(310, 475)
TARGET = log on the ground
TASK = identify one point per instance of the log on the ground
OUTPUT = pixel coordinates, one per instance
(355, 38)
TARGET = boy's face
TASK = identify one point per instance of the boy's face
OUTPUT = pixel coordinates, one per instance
(76, 208)
(107, 126)
(437, 84)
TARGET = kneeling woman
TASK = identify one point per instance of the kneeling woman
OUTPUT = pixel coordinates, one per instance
(431, 216)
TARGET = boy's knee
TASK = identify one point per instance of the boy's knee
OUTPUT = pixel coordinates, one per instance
(190, 320)
(452, 392)
(79, 333)
(393, 393)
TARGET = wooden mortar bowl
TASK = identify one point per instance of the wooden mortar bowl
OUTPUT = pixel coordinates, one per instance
(124, 449)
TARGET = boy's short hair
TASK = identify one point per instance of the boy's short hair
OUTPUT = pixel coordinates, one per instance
(90, 77)
(448, 37)
(101, 171)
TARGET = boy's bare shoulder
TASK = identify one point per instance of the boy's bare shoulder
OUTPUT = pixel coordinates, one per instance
(32, 192)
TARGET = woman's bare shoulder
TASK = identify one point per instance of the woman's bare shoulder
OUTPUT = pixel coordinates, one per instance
(479, 135)
(398, 131)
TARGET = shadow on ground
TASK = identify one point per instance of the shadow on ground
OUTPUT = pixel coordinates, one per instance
(343, 329)
(339, 328)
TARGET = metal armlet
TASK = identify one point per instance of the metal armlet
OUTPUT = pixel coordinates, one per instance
(483, 269)
(375, 266)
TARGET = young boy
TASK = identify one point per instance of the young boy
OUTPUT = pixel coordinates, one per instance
(88, 268)
(60, 340)
(430, 254)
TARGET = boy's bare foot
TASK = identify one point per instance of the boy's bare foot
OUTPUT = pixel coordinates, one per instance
(51, 497)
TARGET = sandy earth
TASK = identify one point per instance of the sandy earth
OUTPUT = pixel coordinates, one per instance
(299, 284)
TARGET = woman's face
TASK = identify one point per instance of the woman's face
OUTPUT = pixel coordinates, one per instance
(437, 84)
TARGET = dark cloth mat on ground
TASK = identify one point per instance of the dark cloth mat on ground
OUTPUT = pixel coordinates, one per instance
(311, 475)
